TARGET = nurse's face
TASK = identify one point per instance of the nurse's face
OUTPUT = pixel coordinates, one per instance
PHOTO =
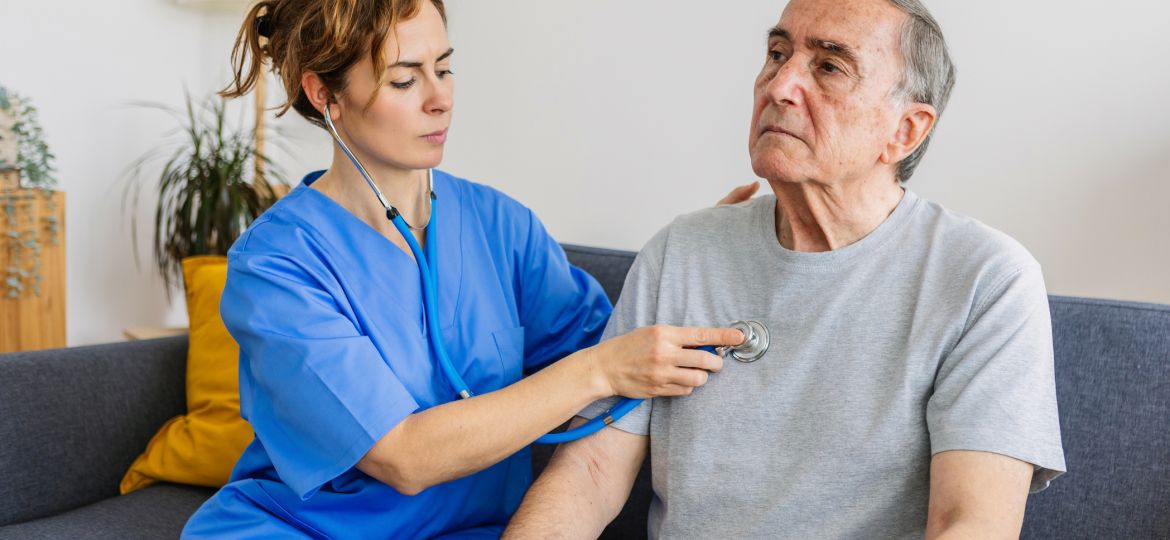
(406, 126)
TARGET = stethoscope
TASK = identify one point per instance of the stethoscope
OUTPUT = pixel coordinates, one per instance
(753, 347)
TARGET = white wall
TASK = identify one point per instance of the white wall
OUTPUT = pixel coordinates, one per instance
(82, 63)
(610, 117)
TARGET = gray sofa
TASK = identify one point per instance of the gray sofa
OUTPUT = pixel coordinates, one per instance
(72, 420)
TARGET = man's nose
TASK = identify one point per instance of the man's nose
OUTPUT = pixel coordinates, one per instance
(788, 83)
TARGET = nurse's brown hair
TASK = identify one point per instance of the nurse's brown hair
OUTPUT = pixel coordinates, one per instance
(326, 37)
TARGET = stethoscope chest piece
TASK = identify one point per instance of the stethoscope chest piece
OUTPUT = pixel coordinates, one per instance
(755, 343)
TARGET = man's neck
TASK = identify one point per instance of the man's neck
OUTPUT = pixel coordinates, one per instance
(814, 217)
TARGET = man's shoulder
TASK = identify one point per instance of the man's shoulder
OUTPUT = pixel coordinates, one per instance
(715, 224)
(970, 244)
(739, 214)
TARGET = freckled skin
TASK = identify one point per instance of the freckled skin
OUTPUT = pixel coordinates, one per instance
(842, 121)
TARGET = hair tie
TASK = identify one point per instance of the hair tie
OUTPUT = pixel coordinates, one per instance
(264, 26)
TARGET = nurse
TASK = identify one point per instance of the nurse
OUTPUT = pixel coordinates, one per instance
(358, 433)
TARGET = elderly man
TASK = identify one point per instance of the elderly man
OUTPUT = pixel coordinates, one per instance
(909, 386)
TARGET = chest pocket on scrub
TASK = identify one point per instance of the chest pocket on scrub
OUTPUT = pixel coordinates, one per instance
(510, 345)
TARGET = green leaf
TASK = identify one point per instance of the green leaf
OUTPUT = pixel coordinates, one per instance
(206, 196)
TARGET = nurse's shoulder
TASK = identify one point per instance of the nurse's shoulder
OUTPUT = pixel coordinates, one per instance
(494, 209)
(283, 228)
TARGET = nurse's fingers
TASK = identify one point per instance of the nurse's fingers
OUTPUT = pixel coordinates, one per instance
(690, 358)
(675, 390)
(687, 377)
(697, 336)
(740, 194)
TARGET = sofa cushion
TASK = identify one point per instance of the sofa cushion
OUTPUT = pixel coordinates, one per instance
(159, 511)
(200, 447)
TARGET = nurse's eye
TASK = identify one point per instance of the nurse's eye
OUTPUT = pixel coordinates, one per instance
(403, 85)
(443, 73)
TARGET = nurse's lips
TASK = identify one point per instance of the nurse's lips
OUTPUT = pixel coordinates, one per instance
(438, 137)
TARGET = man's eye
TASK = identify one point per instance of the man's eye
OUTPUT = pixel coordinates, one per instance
(776, 56)
(830, 67)
(403, 85)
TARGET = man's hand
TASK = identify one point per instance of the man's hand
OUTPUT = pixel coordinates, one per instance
(977, 495)
(740, 194)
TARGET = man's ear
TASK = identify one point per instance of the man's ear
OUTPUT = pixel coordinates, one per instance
(916, 122)
(318, 93)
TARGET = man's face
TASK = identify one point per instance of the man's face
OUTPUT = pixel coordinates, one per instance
(824, 104)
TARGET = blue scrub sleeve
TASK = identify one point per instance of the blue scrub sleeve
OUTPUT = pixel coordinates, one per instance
(563, 308)
(317, 393)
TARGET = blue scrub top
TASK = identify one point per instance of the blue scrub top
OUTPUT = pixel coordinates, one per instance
(333, 354)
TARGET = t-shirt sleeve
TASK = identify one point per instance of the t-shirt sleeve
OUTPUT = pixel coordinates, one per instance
(996, 390)
(562, 308)
(636, 307)
(317, 393)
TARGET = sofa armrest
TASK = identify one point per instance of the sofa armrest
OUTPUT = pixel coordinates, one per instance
(73, 420)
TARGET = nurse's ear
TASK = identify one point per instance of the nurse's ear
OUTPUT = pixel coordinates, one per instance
(318, 94)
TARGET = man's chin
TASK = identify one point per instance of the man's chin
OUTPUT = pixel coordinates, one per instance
(775, 169)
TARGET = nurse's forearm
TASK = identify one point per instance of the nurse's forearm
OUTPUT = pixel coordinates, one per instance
(462, 437)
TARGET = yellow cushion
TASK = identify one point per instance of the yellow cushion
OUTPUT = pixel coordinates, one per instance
(202, 446)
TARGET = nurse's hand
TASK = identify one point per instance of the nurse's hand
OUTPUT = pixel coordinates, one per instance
(661, 360)
(740, 194)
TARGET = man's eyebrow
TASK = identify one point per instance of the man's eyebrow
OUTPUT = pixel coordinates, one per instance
(839, 49)
(777, 32)
(845, 51)
(414, 64)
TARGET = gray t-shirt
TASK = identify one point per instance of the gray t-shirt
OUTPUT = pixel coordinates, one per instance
(930, 334)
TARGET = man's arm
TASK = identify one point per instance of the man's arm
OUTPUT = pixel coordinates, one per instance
(976, 495)
(583, 488)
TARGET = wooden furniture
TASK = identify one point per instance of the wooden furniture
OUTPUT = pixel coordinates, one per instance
(32, 321)
(135, 333)
(9, 180)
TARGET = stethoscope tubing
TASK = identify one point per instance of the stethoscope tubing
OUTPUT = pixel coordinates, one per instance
(426, 265)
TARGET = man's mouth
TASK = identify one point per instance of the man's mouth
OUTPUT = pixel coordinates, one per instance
(777, 130)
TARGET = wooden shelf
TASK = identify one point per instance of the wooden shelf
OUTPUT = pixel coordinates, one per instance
(152, 332)
(33, 322)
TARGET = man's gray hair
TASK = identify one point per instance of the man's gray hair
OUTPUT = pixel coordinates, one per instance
(929, 73)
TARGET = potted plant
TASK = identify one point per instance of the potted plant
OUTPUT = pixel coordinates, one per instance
(211, 187)
(27, 202)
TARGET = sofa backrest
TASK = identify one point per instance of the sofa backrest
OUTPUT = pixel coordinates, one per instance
(1113, 390)
(72, 420)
